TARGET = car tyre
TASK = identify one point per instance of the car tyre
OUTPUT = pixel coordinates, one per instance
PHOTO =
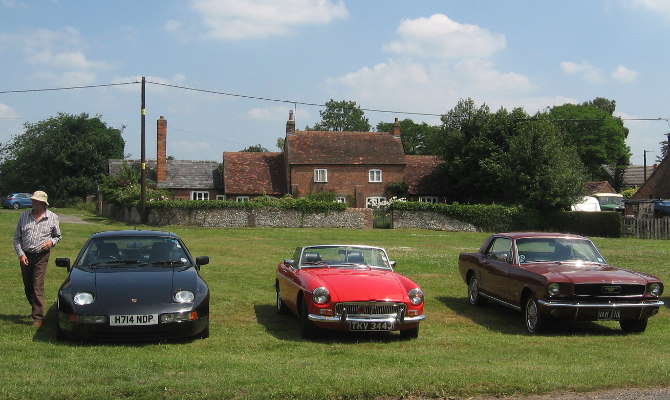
(474, 296)
(412, 333)
(307, 328)
(633, 325)
(281, 306)
(16, 206)
(535, 321)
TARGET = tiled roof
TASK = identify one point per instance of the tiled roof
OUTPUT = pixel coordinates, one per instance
(332, 148)
(421, 173)
(254, 173)
(599, 187)
(181, 174)
(634, 175)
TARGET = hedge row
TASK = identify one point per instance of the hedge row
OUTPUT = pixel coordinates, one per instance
(303, 204)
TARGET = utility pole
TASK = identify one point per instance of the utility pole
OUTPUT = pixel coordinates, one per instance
(143, 179)
(645, 167)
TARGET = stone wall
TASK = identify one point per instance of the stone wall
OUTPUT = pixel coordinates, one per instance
(428, 220)
(357, 218)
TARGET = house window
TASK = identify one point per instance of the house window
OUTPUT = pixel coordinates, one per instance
(341, 199)
(221, 197)
(375, 175)
(320, 175)
(199, 195)
(375, 201)
(428, 199)
(242, 199)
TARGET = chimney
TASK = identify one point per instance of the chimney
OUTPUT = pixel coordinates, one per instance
(161, 150)
(290, 124)
(396, 129)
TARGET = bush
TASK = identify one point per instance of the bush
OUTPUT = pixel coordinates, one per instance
(304, 204)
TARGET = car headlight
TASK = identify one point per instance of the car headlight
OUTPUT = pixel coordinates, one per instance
(83, 298)
(416, 296)
(553, 289)
(655, 289)
(321, 295)
(184, 296)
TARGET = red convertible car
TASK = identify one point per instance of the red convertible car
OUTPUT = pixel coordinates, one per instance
(549, 275)
(348, 288)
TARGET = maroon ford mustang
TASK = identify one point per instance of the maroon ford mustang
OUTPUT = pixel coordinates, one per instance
(550, 275)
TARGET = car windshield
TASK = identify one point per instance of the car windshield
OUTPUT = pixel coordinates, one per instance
(532, 250)
(344, 256)
(127, 250)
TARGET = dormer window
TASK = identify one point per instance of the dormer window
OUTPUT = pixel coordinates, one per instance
(320, 175)
(375, 175)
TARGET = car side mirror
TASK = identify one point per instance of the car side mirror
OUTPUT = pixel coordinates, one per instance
(392, 264)
(290, 263)
(63, 262)
(201, 260)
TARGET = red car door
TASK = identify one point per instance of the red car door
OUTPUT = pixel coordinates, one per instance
(496, 264)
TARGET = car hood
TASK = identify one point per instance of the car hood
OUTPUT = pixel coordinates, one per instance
(588, 273)
(362, 285)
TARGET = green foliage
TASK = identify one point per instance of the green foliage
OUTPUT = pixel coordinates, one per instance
(256, 149)
(66, 156)
(628, 193)
(306, 205)
(602, 224)
(397, 189)
(341, 116)
(417, 139)
(124, 188)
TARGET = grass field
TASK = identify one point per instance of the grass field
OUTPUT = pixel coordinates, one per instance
(461, 351)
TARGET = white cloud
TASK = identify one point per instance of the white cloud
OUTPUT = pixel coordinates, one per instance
(6, 112)
(623, 74)
(441, 37)
(173, 26)
(584, 69)
(245, 19)
(276, 114)
(657, 7)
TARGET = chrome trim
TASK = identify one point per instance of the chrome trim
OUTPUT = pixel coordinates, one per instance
(391, 318)
(503, 302)
(600, 305)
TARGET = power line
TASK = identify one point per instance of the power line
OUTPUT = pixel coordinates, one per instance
(67, 88)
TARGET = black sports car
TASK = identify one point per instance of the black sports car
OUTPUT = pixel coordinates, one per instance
(133, 285)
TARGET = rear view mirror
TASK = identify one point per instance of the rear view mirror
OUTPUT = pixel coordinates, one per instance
(202, 260)
(63, 262)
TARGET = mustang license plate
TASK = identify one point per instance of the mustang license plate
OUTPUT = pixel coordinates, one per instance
(133, 319)
(371, 326)
(609, 314)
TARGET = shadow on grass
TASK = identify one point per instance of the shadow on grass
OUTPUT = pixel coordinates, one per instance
(16, 319)
(287, 327)
(504, 320)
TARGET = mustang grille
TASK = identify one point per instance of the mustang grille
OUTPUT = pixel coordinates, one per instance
(370, 308)
(609, 290)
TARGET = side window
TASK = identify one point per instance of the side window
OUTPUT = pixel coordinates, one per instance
(320, 175)
(500, 250)
(375, 175)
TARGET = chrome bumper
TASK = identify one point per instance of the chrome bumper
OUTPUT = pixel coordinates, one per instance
(600, 305)
(395, 320)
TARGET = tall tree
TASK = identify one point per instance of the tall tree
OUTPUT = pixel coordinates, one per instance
(257, 148)
(417, 139)
(66, 156)
(341, 116)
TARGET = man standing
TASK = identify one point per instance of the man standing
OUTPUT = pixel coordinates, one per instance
(37, 232)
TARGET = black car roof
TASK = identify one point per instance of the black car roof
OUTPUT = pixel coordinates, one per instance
(133, 232)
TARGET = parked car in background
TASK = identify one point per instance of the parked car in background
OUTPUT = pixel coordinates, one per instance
(17, 200)
(610, 201)
(348, 288)
(550, 275)
(133, 285)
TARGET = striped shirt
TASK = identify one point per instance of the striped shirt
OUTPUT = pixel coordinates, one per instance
(30, 235)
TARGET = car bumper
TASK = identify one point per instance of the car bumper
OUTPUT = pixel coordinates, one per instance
(592, 311)
(398, 322)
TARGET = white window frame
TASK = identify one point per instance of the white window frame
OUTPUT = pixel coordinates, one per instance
(199, 195)
(341, 199)
(428, 199)
(375, 175)
(375, 201)
(321, 175)
(221, 197)
(242, 199)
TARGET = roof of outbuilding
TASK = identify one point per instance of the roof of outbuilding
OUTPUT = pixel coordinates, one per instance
(181, 174)
(254, 173)
(351, 148)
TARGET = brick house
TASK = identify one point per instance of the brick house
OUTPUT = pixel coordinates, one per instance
(355, 166)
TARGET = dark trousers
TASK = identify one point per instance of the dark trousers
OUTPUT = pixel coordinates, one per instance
(33, 281)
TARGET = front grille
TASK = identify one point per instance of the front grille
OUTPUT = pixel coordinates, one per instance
(609, 290)
(370, 308)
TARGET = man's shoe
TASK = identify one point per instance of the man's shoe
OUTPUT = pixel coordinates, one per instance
(37, 322)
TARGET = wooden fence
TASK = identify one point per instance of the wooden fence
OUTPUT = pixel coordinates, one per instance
(647, 228)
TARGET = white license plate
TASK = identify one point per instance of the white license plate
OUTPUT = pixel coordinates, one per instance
(371, 326)
(133, 319)
(609, 314)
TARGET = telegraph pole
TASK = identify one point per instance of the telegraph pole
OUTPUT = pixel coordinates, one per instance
(143, 179)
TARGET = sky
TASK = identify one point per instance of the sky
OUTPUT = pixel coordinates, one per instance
(226, 73)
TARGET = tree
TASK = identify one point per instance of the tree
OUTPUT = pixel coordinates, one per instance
(256, 149)
(341, 116)
(66, 156)
(417, 139)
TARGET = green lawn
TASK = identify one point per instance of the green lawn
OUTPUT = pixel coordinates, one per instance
(461, 351)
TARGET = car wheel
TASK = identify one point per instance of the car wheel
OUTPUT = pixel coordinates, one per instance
(16, 206)
(473, 292)
(307, 328)
(533, 317)
(281, 307)
(633, 325)
(410, 333)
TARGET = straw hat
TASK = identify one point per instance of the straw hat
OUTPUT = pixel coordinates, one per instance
(40, 196)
